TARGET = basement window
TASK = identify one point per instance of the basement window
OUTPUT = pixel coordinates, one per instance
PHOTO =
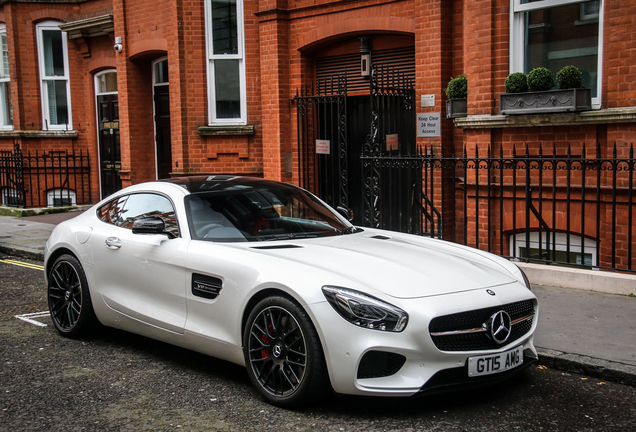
(553, 247)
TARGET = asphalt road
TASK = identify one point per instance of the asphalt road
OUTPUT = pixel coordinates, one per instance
(118, 381)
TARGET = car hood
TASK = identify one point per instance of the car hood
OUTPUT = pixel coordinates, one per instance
(399, 265)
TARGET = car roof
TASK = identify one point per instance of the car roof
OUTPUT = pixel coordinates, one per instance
(203, 184)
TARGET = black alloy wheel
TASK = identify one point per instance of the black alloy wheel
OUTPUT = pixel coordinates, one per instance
(283, 353)
(69, 300)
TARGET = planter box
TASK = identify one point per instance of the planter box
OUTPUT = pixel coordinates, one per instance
(550, 101)
(456, 108)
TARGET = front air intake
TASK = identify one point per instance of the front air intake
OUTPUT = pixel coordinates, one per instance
(378, 364)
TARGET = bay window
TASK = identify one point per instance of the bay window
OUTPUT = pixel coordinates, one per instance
(558, 33)
(226, 63)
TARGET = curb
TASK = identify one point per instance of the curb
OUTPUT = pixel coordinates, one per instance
(604, 369)
(22, 253)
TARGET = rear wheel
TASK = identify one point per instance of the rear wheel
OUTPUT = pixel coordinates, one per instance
(283, 354)
(69, 299)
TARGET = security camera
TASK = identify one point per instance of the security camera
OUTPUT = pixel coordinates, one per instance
(118, 46)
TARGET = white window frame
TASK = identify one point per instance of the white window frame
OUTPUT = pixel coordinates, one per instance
(8, 194)
(240, 56)
(46, 117)
(62, 194)
(3, 96)
(558, 240)
(517, 37)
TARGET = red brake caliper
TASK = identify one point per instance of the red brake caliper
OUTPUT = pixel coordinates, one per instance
(265, 339)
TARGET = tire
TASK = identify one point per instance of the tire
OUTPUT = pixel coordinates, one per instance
(283, 354)
(69, 298)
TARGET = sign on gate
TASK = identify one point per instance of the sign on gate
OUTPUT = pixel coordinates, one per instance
(322, 146)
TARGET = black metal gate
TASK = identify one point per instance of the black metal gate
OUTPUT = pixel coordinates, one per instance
(391, 199)
(336, 132)
(322, 139)
(11, 178)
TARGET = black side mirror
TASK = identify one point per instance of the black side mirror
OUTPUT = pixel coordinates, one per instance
(345, 212)
(150, 225)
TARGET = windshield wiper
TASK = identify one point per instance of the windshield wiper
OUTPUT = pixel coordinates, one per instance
(349, 230)
(288, 236)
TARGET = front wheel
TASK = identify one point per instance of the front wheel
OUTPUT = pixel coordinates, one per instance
(69, 299)
(284, 358)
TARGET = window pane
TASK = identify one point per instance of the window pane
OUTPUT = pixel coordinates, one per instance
(5, 99)
(4, 68)
(227, 88)
(58, 109)
(161, 72)
(141, 206)
(53, 53)
(108, 82)
(558, 37)
(224, 28)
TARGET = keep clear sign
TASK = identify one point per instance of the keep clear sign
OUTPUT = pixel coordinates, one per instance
(322, 146)
(429, 125)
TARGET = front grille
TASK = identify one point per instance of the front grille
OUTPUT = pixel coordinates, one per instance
(475, 319)
(376, 364)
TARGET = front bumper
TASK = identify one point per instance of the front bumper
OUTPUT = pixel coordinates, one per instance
(416, 365)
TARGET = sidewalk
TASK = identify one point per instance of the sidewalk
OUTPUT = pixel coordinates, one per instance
(579, 331)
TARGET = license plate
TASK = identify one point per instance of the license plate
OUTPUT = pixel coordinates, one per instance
(494, 363)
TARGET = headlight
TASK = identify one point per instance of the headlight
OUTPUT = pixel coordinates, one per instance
(366, 311)
(525, 279)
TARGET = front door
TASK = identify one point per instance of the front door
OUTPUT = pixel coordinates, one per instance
(110, 153)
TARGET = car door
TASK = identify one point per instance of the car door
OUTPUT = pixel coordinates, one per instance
(141, 275)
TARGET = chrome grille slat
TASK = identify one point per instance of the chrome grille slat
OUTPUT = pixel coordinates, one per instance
(465, 331)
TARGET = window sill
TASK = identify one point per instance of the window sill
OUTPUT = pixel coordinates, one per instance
(39, 134)
(603, 116)
(227, 130)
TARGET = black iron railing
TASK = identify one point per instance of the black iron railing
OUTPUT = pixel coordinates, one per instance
(48, 179)
(569, 209)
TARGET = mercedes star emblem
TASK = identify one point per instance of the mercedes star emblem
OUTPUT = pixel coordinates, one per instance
(499, 327)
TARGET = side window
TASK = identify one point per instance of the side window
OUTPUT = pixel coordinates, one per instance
(111, 211)
(139, 206)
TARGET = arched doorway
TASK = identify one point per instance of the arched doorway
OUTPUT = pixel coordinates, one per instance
(360, 106)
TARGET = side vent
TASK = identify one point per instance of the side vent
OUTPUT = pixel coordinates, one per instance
(206, 286)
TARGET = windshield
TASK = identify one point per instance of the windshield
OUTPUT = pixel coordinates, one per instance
(249, 213)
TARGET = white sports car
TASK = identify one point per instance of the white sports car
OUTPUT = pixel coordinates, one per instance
(266, 275)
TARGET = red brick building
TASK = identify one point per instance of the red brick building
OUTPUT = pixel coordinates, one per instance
(208, 86)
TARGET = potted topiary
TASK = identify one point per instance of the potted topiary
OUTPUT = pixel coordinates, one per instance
(540, 97)
(457, 92)
(517, 82)
(540, 79)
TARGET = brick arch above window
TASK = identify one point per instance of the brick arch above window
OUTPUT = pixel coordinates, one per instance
(101, 60)
(357, 25)
(148, 46)
(49, 14)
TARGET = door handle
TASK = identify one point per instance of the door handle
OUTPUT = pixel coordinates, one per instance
(113, 243)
